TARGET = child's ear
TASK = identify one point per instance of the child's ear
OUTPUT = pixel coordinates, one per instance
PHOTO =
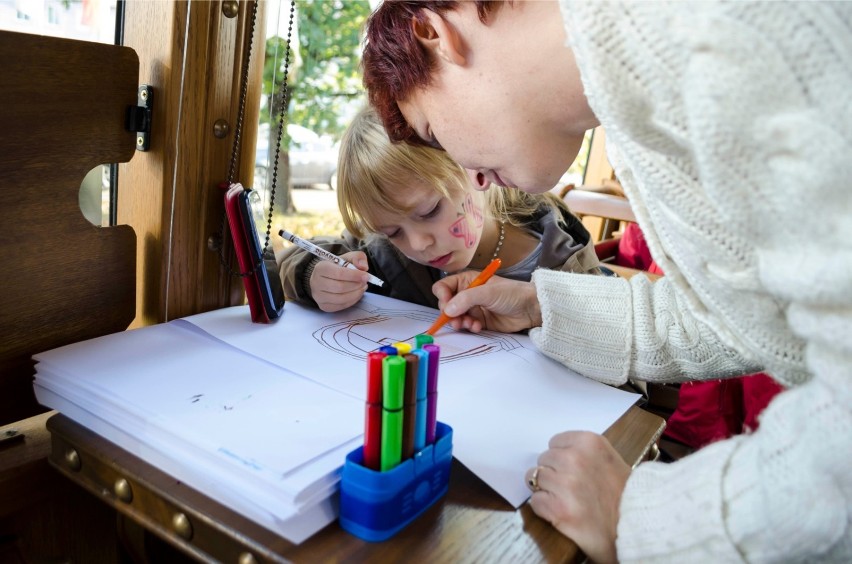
(439, 36)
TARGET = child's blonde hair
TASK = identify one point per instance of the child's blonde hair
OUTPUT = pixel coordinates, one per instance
(371, 169)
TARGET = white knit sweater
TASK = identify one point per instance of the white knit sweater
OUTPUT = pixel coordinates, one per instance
(730, 127)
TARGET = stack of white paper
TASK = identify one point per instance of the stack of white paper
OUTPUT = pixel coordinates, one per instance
(260, 417)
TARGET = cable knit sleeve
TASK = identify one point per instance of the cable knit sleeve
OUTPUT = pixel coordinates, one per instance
(734, 135)
(778, 495)
(610, 329)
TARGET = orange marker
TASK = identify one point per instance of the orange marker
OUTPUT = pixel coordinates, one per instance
(483, 277)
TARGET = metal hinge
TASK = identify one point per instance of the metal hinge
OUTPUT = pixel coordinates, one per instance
(139, 117)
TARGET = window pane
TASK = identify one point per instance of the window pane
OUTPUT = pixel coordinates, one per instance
(325, 93)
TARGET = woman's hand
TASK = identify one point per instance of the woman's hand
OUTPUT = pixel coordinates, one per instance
(577, 486)
(334, 287)
(500, 304)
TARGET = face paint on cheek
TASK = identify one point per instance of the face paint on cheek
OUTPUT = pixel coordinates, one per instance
(472, 210)
(465, 225)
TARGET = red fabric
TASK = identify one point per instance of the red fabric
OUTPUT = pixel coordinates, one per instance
(758, 391)
(706, 411)
(633, 251)
(715, 410)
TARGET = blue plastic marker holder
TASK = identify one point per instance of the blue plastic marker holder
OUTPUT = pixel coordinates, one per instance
(375, 505)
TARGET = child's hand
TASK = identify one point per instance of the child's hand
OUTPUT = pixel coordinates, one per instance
(334, 287)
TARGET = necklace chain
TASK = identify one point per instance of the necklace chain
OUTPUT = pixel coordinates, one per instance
(500, 239)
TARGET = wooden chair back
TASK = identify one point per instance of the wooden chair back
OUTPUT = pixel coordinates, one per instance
(606, 201)
(62, 279)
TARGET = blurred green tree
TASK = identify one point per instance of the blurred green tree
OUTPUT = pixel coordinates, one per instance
(324, 78)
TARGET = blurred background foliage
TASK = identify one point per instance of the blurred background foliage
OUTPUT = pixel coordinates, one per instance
(324, 77)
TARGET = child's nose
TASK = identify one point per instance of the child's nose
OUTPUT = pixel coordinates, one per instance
(420, 241)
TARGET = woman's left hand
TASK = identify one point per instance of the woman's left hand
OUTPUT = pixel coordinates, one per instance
(577, 486)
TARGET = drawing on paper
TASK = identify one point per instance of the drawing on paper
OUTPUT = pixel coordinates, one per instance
(382, 326)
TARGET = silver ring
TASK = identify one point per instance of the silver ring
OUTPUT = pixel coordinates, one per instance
(532, 483)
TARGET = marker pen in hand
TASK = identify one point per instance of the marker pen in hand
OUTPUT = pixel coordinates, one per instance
(325, 255)
(483, 277)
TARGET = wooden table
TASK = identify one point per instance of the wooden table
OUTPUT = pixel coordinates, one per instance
(471, 523)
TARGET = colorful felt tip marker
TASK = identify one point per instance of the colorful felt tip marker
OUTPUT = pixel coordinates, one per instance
(432, 392)
(325, 255)
(422, 382)
(483, 277)
(402, 348)
(422, 339)
(393, 388)
(409, 405)
(373, 415)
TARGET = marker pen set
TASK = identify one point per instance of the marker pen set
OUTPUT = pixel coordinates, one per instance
(402, 395)
(404, 465)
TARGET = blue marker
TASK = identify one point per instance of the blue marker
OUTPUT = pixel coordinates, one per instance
(389, 350)
(422, 381)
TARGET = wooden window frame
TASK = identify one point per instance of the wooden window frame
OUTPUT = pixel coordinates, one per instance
(191, 53)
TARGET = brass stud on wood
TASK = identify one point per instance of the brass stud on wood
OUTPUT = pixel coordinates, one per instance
(123, 491)
(654, 452)
(72, 459)
(214, 242)
(182, 526)
(230, 8)
(221, 128)
(247, 558)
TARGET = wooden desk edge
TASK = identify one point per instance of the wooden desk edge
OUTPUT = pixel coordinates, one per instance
(222, 534)
(634, 433)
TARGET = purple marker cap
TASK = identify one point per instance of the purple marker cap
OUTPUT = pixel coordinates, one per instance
(432, 392)
(434, 359)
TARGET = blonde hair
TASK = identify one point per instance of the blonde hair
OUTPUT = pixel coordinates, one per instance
(371, 167)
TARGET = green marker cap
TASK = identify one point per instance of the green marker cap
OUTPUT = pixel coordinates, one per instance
(423, 339)
(393, 380)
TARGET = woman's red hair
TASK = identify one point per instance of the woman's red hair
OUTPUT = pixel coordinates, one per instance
(394, 62)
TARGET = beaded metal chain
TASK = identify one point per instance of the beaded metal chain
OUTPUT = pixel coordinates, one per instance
(285, 95)
(500, 239)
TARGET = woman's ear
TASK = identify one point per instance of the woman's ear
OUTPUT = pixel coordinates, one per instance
(439, 36)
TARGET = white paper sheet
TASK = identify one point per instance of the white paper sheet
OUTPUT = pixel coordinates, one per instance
(502, 397)
(271, 410)
(244, 410)
(265, 509)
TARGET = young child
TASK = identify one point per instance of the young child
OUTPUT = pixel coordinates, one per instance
(413, 215)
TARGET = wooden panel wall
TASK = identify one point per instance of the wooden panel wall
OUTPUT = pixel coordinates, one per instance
(191, 54)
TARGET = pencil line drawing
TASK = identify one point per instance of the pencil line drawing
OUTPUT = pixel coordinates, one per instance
(355, 338)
